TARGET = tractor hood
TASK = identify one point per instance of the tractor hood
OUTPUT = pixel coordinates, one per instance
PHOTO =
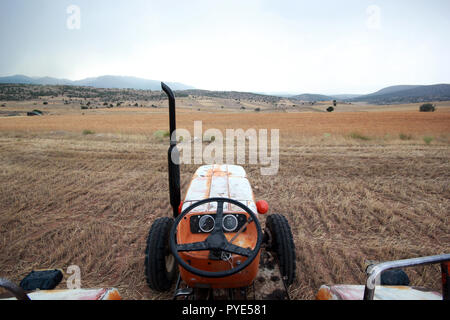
(222, 181)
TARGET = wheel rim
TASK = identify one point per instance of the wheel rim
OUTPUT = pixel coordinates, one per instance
(170, 261)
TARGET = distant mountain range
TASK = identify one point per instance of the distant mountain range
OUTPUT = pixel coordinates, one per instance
(389, 95)
(407, 94)
(312, 97)
(114, 82)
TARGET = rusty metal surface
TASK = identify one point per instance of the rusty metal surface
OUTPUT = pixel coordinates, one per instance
(356, 292)
(75, 294)
(230, 181)
(269, 284)
(223, 181)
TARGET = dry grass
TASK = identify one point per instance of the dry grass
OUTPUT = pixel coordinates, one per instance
(68, 198)
(290, 124)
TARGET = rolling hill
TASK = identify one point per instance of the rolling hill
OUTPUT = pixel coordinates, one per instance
(408, 94)
(113, 82)
(312, 97)
(393, 89)
(389, 95)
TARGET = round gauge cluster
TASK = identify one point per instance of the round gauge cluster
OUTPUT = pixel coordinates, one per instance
(229, 222)
(206, 223)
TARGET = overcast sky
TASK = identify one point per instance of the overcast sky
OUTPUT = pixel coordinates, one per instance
(329, 47)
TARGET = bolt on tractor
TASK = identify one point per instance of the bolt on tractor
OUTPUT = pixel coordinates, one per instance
(214, 246)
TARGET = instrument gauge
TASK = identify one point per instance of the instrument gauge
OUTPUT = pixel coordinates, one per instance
(206, 223)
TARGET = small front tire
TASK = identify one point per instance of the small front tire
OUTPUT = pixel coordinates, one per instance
(281, 242)
(160, 265)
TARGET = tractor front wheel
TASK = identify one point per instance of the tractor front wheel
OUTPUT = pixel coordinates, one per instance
(281, 242)
(160, 265)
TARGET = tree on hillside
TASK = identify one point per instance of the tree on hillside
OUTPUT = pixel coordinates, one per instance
(427, 107)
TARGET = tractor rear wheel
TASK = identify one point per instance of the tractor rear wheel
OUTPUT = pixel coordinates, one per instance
(281, 242)
(160, 265)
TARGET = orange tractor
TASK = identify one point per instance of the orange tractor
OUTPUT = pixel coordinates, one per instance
(215, 239)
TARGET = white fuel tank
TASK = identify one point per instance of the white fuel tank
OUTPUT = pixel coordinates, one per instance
(220, 181)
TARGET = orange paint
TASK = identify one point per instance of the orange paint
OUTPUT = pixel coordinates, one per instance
(114, 295)
(324, 294)
(200, 260)
(445, 271)
(399, 287)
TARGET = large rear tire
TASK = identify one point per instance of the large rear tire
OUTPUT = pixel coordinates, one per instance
(160, 265)
(281, 242)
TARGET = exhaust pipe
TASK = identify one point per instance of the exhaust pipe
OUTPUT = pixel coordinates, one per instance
(173, 154)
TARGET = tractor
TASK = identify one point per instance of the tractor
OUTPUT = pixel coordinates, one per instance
(214, 247)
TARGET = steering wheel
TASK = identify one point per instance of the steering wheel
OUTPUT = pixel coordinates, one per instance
(216, 241)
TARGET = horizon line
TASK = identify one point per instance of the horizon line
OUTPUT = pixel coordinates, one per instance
(272, 93)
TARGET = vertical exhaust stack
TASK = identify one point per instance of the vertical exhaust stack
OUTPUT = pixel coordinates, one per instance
(173, 155)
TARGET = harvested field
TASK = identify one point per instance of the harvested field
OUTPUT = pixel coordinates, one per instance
(376, 124)
(89, 199)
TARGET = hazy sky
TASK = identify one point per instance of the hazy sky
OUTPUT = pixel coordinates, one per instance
(330, 47)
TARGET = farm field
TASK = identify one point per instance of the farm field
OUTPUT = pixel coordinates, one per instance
(84, 190)
(125, 121)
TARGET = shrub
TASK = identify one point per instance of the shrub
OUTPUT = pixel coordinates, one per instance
(405, 136)
(86, 132)
(330, 109)
(209, 138)
(34, 113)
(45, 103)
(160, 134)
(257, 109)
(427, 107)
(359, 136)
(428, 139)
